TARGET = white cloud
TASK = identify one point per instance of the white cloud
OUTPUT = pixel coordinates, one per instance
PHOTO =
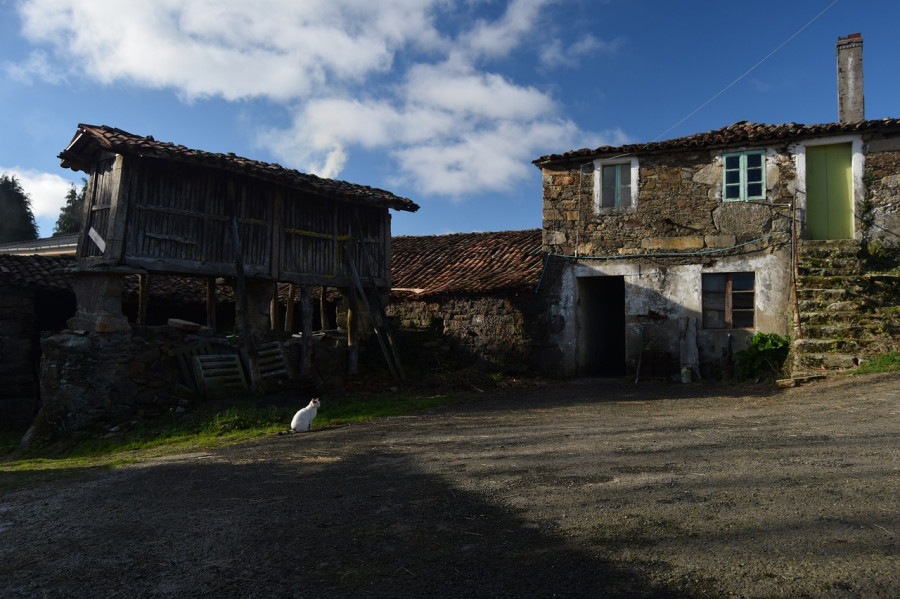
(46, 191)
(235, 49)
(357, 75)
(37, 67)
(500, 37)
(556, 54)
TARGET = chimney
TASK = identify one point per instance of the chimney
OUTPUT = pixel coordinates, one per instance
(851, 105)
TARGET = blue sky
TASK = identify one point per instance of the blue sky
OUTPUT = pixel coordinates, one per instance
(443, 102)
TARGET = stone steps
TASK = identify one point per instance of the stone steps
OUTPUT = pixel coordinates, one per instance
(845, 312)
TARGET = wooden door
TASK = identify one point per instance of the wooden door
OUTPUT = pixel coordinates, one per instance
(829, 192)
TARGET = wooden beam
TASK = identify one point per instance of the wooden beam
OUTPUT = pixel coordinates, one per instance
(211, 302)
(306, 331)
(352, 331)
(275, 235)
(276, 322)
(143, 298)
(118, 212)
(323, 304)
(379, 324)
(289, 311)
(240, 292)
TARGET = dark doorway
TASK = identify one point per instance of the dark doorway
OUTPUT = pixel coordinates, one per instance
(601, 338)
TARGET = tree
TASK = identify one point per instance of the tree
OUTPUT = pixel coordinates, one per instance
(70, 215)
(16, 218)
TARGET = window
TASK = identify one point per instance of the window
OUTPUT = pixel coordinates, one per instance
(744, 176)
(728, 300)
(615, 183)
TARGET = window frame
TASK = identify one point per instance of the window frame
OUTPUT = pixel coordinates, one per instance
(744, 182)
(632, 165)
(728, 294)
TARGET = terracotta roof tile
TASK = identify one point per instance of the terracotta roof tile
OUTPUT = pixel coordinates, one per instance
(466, 262)
(92, 138)
(739, 133)
(420, 266)
(36, 272)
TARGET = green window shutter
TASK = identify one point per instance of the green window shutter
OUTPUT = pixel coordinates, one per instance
(744, 176)
(615, 185)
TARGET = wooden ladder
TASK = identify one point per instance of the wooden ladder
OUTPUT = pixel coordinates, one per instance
(379, 323)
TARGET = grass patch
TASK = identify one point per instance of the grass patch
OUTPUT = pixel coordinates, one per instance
(884, 363)
(210, 425)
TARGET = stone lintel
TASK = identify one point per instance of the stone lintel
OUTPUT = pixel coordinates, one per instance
(720, 241)
(692, 242)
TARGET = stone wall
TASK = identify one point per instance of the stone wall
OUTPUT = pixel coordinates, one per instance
(18, 393)
(679, 208)
(879, 213)
(679, 230)
(107, 380)
(502, 332)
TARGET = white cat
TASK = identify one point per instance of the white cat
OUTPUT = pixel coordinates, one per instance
(302, 421)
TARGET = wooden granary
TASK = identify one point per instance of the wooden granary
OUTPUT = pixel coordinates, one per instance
(155, 207)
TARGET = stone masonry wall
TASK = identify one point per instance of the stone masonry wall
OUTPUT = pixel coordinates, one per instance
(879, 213)
(106, 380)
(496, 331)
(679, 208)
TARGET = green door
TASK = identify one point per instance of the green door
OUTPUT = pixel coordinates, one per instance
(829, 192)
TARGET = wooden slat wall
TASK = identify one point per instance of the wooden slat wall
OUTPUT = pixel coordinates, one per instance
(178, 222)
(101, 192)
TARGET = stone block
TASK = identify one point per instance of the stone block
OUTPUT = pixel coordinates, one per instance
(692, 242)
(720, 241)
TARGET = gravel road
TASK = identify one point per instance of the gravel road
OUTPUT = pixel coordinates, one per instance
(584, 489)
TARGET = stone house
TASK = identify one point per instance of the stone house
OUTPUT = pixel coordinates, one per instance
(474, 292)
(670, 255)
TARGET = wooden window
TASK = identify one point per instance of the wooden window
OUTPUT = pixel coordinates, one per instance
(729, 300)
(615, 183)
(744, 176)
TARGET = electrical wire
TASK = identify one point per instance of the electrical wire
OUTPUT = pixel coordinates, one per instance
(747, 72)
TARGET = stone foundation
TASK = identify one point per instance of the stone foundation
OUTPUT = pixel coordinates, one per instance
(106, 380)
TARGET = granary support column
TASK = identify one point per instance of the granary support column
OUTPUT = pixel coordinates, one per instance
(99, 301)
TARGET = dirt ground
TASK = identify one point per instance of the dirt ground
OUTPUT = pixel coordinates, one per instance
(585, 489)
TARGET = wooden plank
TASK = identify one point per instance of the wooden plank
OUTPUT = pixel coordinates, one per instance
(241, 291)
(118, 212)
(271, 360)
(289, 310)
(275, 235)
(184, 357)
(352, 331)
(211, 302)
(220, 374)
(384, 340)
(306, 331)
(143, 298)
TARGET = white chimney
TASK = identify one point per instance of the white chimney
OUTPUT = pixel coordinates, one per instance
(851, 104)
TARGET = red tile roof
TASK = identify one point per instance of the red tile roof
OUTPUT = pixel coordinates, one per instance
(36, 272)
(91, 139)
(420, 266)
(740, 133)
(466, 262)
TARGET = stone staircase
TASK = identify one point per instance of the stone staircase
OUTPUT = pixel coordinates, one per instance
(848, 310)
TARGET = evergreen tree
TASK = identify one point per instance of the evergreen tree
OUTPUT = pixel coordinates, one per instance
(70, 215)
(16, 218)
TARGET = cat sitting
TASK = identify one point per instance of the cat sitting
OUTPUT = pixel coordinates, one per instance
(302, 420)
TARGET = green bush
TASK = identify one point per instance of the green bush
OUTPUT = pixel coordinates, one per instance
(765, 355)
